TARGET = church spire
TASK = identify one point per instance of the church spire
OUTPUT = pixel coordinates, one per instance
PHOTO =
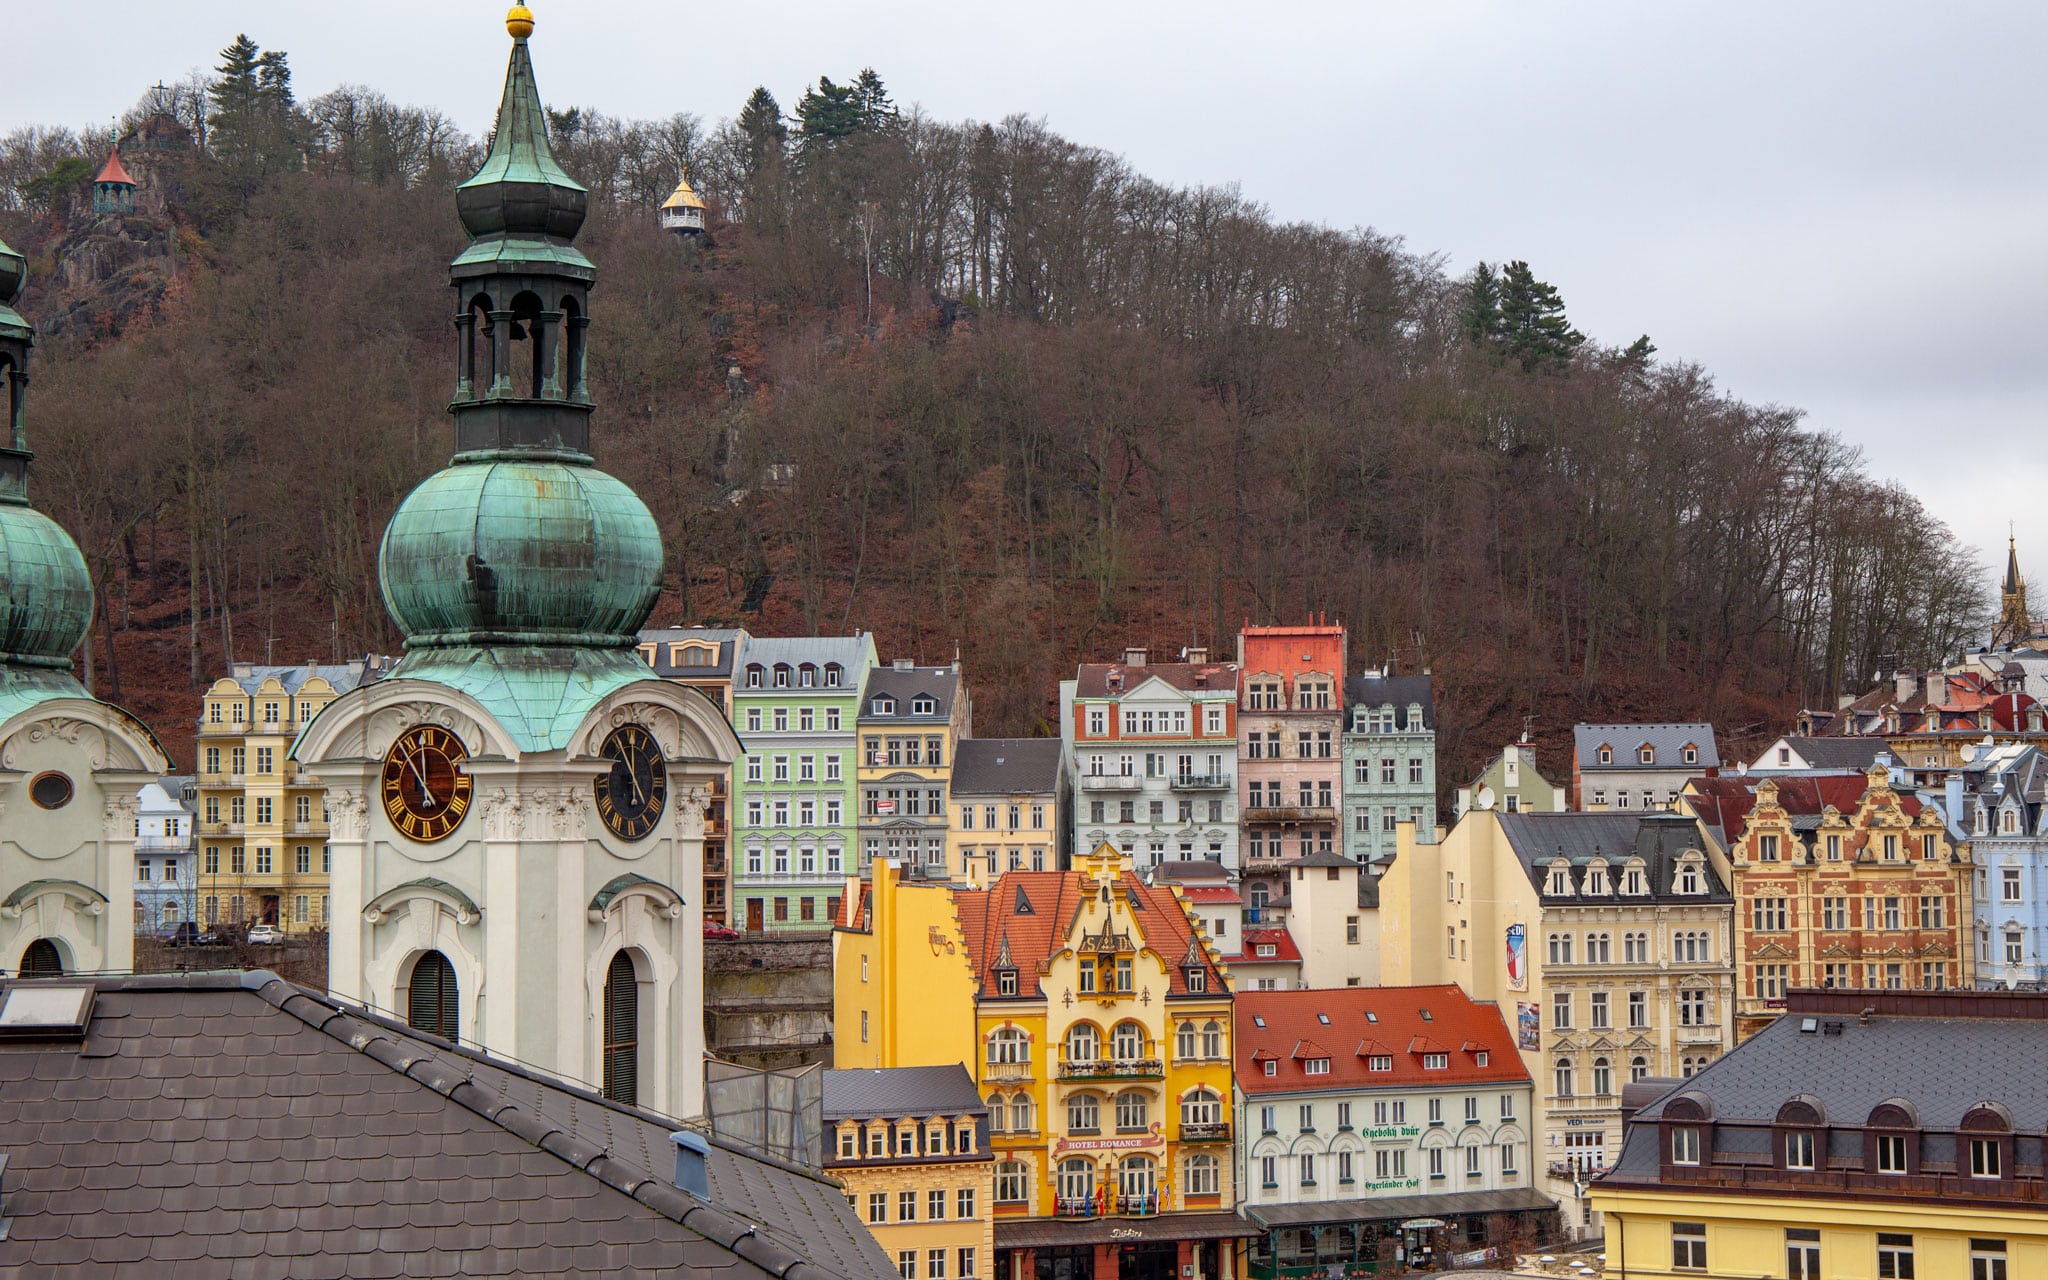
(521, 191)
(2014, 623)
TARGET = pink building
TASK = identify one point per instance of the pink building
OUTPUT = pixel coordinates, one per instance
(1290, 724)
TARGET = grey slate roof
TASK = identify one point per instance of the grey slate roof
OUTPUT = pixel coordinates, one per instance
(724, 639)
(852, 653)
(1668, 739)
(236, 1125)
(1943, 1066)
(1006, 766)
(343, 676)
(1539, 839)
(941, 684)
(1401, 691)
(1838, 753)
(901, 1092)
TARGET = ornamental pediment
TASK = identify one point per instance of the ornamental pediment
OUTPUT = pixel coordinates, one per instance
(1642, 1042)
(1841, 950)
(1937, 949)
(1774, 950)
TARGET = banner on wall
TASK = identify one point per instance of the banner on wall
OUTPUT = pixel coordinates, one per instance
(1528, 1026)
(1518, 958)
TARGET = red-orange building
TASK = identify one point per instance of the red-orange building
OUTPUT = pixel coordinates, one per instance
(1290, 727)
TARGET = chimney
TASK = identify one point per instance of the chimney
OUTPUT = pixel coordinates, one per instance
(1906, 685)
(1937, 687)
(904, 664)
(1134, 656)
(692, 1175)
(1195, 654)
(1952, 798)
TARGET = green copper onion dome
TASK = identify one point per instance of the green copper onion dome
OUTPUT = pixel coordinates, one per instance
(47, 606)
(520, 540)
(521, 551)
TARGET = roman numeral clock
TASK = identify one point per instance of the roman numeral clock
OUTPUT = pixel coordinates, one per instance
(633, 794)
(424, 788)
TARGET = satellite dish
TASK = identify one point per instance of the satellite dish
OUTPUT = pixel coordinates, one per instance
(1483, 798)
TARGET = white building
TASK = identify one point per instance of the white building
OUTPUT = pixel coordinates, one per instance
(1363, 1110)
(166, 863)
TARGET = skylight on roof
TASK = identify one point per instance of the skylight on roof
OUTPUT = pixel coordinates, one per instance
(1323, 1018)
(42, 1009)
(1258, 1021)
(1425, 1015)
(1370, 1016)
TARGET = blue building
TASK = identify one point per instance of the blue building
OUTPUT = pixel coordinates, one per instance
(1389, 749)
(166, 866)
(1997, 801)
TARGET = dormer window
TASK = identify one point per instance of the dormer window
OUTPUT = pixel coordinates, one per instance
(883, 705)
(1596, 880)
(1266, 950)
(924, 706)
(1767, 848)
(1689, 878)
(754, 674)
(1607, 755)
(1691, 755)
(806, 676)
(1560, 881)
(1632, 880)
(782, 675)
(1006, 982)
(1646, 755)
(832, 675)
(1198, 979)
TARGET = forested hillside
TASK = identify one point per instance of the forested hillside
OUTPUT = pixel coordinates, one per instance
(962, 384)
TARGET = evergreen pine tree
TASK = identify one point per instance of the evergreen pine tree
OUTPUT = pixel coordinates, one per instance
(1533, 323)
(234, 93)
(826, 114)
(877, 109)
(760, 123)
(1480, 316)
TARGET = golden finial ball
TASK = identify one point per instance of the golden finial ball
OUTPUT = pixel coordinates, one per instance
(519, 22)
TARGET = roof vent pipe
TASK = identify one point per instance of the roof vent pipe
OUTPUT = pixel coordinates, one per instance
(692, 1174)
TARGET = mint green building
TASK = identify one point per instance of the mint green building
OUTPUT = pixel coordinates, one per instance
(795, 703)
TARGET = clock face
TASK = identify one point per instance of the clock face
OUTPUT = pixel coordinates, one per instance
(633, 795)
(425, 794)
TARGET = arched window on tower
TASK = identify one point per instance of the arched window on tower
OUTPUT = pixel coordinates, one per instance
(479, 348)
(41, 960)
(622, 1032)
(573, 325)
(531, 362)
(431, 1003)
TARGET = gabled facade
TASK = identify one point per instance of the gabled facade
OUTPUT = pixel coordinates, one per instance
(1097, 1022)
(1389, 746)
(1638, 766)
(1928, 720)
(1511, 783)
(1153, 749)
(795, 815)
(911, 1145)
(1607, 935)
(1010, 798)
(1997, 810)
(1364, 1111)
(262, 817)
(1845, 881)
(911, 722)
(1290, 728)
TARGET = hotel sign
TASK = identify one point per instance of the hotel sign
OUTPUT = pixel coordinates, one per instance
(1137, 1143)
(1380, 1133)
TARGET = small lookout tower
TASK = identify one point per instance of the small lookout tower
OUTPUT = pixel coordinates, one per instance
(113, 191)
(683, 211)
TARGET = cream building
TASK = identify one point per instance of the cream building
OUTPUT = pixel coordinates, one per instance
(1009, 807)
(1606, 940)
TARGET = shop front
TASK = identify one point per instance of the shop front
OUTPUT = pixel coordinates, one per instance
(1352, 1238)
(1168, 1246)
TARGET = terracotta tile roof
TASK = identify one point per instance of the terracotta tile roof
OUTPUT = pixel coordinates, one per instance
(1284, 950)
(236, 1124)
(1211, 893)
(113, 170)
(1272, 1025)
(1033, 912)
(1294, 651)
(1114, 679)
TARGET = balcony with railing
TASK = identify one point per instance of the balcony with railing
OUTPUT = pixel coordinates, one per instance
(1107, 1204)
(219, 828)
(1291, 813)
(1110, 782)
(1201, 782)
(1112, 1069)
(1700, 1033)
(163, 844)
(1008, 1072)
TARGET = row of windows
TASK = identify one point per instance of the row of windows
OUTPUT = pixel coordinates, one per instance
(1079, 1180)
(1647, 754)
(1769, 981)
(1695, 1009)
(935, 1204)
(1887, 846)
(1566, 1078)
(1169, 721)
(1361, 771)
(778, 720)
(1688, 946)
(807, 769)
(777, 909)
(1385, 1111)
(1310, 694)
(885, 704)
(301, 908)
(1634, 879)
(238, 760)
(805, 675)
(934, 1264)
(272, 711)
(1896, 1257)
(1390, 1162)
(1155, 810)
(1319, 744)
(878, 1139)
(1781, 915)
(1308, 794)
(238, 860)
(991, 812)
(1625, 799)
(1156, 765)
(265, 807)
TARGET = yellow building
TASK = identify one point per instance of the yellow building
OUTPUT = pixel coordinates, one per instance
(1009, 807)
(1606, 939)
(1097, 1021)
(1865, 1135)
(911, 1145)
(910, 720)
(262, 823)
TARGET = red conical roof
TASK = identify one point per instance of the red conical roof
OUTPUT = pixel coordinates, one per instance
(112, 170)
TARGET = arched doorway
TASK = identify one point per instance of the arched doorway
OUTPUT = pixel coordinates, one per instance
(622, 1032)
(432, 1003)
(42, 960)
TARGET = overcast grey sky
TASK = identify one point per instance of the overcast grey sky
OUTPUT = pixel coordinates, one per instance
(1838, 206)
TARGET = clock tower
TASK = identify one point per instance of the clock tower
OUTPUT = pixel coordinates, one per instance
(517, 810)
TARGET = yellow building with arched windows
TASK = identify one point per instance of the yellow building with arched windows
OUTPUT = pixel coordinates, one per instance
(1096, 1019)
(262, 821)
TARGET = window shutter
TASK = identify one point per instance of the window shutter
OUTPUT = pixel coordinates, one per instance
(433, 1005)
(621, 1032)
(41, 960)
